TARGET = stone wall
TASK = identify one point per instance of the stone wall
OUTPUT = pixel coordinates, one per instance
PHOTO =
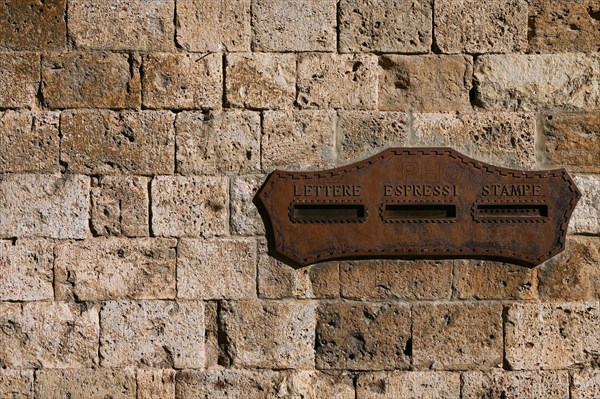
(134, 134)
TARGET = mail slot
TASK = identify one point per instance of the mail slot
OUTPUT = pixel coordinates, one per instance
(511, 211)
(417, 212)
(327, 213)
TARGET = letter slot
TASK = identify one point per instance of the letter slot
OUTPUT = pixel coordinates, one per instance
(511, 211)
(416, 212)
(327, 213)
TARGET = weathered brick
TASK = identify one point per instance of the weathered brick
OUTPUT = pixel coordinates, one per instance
(363, 336)
(429, 83)
(16, 384)
(290, 25)
(155, 384)
(85, 383)
(347, 81)
(218, 142)
(498, 26)
(586, 217)
(261, 80)
(44, 206)
(564, 25)
(530, 82)
(29, 141)
(122, 25)
(155, 334)
(317, 385)
(515, 385)
(213, 352)
(108, 142)
(189, 206)
(120, 206)
(182, 81)
(115, 268)
(218, 269)
(269, 334)
(385, 26)
(297, 140)
(572, 140)
(19, 79)
(457, 336)
(33, 25)
(212, 26)
(392, 279)
(505, 139)
(91, 80)
(245, 219)
(413, 384)
(48, 335)
(586, 384)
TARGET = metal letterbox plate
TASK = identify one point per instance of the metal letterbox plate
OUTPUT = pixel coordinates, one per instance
(417, 203)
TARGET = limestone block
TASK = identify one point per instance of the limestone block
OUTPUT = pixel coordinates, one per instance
(20, 77)
(516, 384)
(16, 384)
(155, 384)
(408, 384)
(245, 219)
(586, 384)
(87, 383)
(33, 25)
(586, 217)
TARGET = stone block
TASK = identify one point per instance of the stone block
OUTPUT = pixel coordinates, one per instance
(385, 26)
(16, 384)
(108, 142)
(470, 26)
(20, 77)
(189, 206)
(290, 25)
(269, 334)
(318, 385)
(552, 336)
(33, 25)
(586, 217)
(115, 268)
(261, 80)
(363, 336)
(154, 334)
(120, 206)
(393, 279)
(245, 219)
(48, 335)
(122, 25)
(213, 26)
(182, 81)
(411, 384)
(91, 80)
(298, 140)
(516, 384)
(428, 83)
(457, 336)
(218, 269)
(503, 139)
(218, 142)
(347, 81)
(519, 82)
(30, 141)
(87, 383)
(155, 384)
(586, 384)
(54, 206)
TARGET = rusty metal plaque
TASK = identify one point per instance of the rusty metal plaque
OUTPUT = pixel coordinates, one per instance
(414, 203)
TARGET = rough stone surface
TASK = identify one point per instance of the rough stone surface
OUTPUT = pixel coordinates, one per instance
(29, 141)
(90, 384)
(189, 206)
(19, 79)
(586, 384)
(347, 81)
(108, 142)
(218, 269)
(212, 26)
(586, 217)
(531, 82)
(218, 142)
(457, 336)
(155, 384)
(283, 334)
(115, 268)
(16, 384)
(182, 81)
(48, 335)
(290, 25)
(505, 139)
(119, 206)
(33, 25)
(261, 81)
(155, 334)
(393, 279)
(516, 385)
(415, 384)
(429, 83)
(245, 219)
(122, 24)
(363, 336)
(572, 140)
(297, 140)
(498, 26)
(44, 206)
(385, 26)
(91, 80)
